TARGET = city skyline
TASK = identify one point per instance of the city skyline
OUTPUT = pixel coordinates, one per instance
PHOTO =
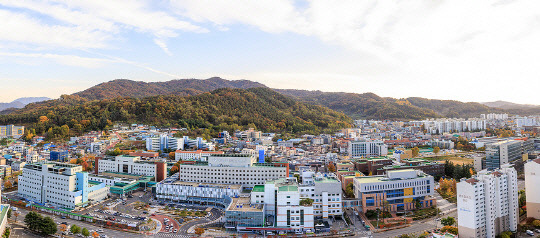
(446, 50)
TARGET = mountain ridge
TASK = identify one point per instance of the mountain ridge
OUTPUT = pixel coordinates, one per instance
(21, 102)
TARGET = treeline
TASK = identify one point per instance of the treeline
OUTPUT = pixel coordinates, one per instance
(366, 105)
(222, 109)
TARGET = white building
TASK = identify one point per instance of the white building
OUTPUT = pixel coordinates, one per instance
(488, 203)
(532, 188)
(173, 189)
(199, 155)
(132, 165)
(60, 185)
(17, 165)
(164, 141)
(366, 148)
(232, 169)
(283, 202)
(400, 188)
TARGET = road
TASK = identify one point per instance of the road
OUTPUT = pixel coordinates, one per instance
(89, 226)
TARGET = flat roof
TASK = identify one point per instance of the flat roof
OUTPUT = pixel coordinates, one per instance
(288, 188)
(258, 188)
(244, 204)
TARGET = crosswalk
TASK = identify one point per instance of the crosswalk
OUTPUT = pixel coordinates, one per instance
(161, 234)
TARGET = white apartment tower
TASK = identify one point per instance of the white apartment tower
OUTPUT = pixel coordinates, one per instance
(488, 203)
(532, 188)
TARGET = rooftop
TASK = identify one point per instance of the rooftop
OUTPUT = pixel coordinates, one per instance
(258, 188)
(288, 188)
(243, 204)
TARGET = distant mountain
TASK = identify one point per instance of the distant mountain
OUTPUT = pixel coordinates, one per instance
(181, 87)
(221, 109)
(509, 105)
(21, 102)
(357, 106)
(515, 108)
(365, 105)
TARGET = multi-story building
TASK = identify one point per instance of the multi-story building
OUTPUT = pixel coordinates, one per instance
(164, 141)
(504, 152)
(402, 189)
(11, 131)
(60, 185)
(439, 126)
(132, 165)
(17, 165)
(199, 155)
(172, 189)
(59, 155)
(429, 167)
(488, 203)
(284, 203)
(325, 190)
(366, 148)
(532, 188)
(233, 169)
(5, 170)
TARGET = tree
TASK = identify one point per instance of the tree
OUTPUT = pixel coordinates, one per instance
(9, 213)
(95, 234)
(8, 184)
(7, 232)
(449, 221)
(536, 223)
(417, 204)
(85, 232)
(172, 155)
(32, 221)
(415, 151)
(436, 150)
(450, 229)
(199, 231)
(75, 229)
(63, 228)
(349, 190)
(48, 226)
(16, 214)
(331, 167)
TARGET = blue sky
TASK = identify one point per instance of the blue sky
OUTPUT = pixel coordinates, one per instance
(462, 50)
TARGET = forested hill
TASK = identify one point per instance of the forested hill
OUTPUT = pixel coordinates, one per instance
(181, 87)
(365, 105)
(222, 109)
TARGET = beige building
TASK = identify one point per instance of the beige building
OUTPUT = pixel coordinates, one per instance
(532, 188)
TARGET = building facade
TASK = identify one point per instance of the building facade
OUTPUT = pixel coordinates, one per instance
(132, 165)
(401, 190)
(488, 203)
(60, 185)
(365, 148)
(233, 169)
(504, 152)
(11, 131)
(532, 188)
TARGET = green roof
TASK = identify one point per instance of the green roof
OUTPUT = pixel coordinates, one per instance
(289, 188)
(258, 188)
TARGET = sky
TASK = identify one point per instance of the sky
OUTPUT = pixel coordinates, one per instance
(443, 49)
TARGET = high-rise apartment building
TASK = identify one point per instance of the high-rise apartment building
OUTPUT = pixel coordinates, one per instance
(532, 188)
(488, 203)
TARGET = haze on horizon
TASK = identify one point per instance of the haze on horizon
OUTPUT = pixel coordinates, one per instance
(468, 51)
